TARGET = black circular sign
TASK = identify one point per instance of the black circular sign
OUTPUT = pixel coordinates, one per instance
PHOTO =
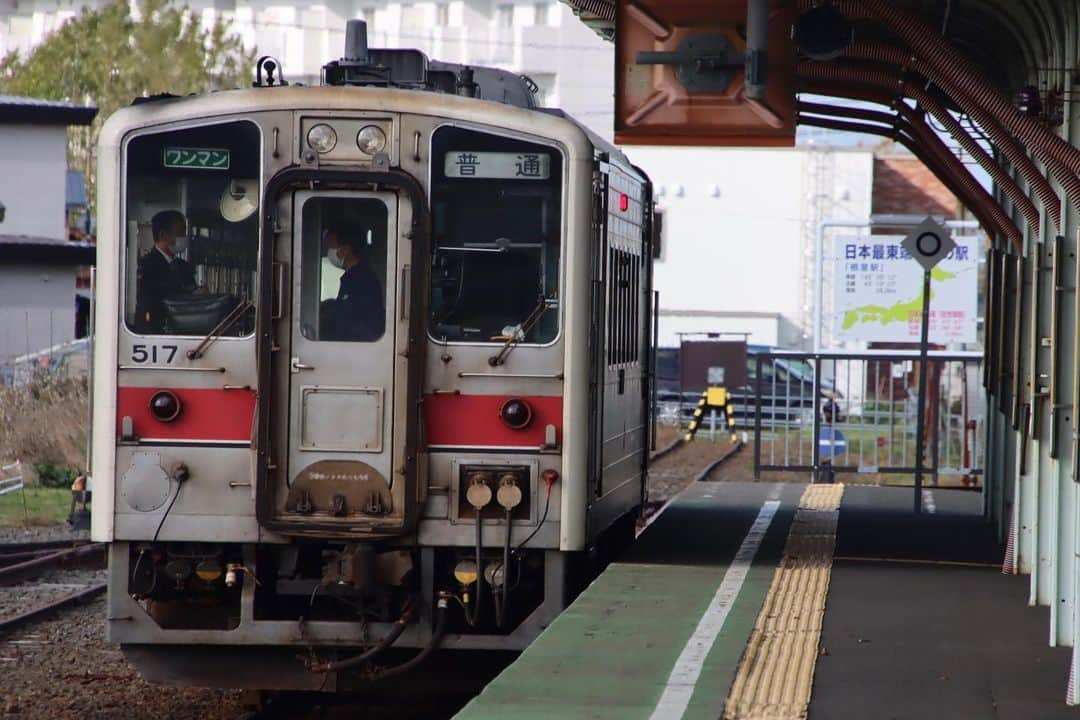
(928, 244)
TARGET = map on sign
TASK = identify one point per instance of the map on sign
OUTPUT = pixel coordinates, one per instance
(202, 158)
(505, 166)
(877, 292)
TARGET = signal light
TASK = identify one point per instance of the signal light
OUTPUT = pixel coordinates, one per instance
(165, 405)
(624, 202)
(516, 413)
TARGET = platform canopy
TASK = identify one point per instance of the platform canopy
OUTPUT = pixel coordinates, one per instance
(994, 75)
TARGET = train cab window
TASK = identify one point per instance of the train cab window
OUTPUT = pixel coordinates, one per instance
(496, 237)
(192, 230)
(343, 283)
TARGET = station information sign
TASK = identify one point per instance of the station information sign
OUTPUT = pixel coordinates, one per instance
(504, 166)
(877, 292)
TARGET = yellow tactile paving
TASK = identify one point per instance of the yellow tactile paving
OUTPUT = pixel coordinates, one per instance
(776, 673)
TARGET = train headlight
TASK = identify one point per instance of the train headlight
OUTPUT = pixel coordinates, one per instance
(165, 405)
(370, 140)
(516, 413)
(322, 138)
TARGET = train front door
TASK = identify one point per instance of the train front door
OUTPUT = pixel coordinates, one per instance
(345, 373)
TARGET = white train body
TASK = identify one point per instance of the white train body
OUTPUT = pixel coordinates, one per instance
(280, 484)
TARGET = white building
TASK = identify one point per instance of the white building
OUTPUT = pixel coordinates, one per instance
(540, 38)
(740, 227)
(37, 263)
(740, 223)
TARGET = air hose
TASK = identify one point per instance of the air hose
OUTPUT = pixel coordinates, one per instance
(502, 597)
(436, 640)
(472, 615)
(390, 638)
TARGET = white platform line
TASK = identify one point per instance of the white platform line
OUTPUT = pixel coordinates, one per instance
(684, 676)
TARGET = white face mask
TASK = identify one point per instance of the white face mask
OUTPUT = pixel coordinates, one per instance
(335, 259)
(182, 244)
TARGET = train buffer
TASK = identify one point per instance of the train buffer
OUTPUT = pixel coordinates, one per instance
(754, 600)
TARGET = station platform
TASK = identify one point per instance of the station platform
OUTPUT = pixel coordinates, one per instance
(761, 600)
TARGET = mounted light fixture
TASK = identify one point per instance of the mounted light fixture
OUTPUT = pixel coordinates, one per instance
(165, 405)
(823, 33)
(1028, 100)
(516, 413)
(371, 140)
(322, 138)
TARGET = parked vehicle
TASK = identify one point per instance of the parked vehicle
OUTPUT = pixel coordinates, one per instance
(785, 389)
(68, 360)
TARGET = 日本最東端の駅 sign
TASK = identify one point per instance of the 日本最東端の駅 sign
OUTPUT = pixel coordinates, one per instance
(877, 291)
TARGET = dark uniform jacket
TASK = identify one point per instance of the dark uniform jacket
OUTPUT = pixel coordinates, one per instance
(159, 279)
(359, 312)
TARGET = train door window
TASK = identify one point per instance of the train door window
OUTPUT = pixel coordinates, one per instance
(343, 269)
(497, 234)
(192, 230)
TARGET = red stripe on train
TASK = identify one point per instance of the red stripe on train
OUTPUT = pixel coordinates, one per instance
(206, 414)
(474, 420)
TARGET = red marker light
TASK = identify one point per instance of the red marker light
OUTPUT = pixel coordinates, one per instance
(516, 413)
(165, 405)
(624, 202)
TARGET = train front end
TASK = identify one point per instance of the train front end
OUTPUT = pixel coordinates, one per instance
(341, 379)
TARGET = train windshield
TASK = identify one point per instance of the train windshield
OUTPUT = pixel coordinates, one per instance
(496, 224)
(192, 230)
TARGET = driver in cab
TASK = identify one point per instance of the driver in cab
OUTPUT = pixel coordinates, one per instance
(358, 312)
(162, 273)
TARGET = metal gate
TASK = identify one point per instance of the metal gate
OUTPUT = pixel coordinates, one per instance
(857, 412)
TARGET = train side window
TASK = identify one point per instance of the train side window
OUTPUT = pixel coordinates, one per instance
(343, 269)
(625, 270)
(192, 230)
(497, 237)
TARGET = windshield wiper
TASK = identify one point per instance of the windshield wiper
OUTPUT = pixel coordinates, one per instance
(227, 322)
(519, 334)
(501, 245)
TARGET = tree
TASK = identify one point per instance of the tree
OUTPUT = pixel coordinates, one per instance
(109, 56)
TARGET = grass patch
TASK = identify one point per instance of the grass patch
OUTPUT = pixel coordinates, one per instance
(44, 506)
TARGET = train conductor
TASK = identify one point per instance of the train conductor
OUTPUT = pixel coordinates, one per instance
(162, 274)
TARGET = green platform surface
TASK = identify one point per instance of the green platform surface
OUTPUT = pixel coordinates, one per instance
(609, 655)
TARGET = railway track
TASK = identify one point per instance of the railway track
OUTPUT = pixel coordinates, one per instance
(682, 476)
(39, 578)
(708, 469)
(54, 545)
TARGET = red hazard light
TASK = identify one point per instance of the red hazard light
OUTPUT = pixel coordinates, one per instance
(516, 413)
(165, 405)
(624, 202)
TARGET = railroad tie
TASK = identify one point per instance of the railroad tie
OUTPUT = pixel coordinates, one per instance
(776, 673)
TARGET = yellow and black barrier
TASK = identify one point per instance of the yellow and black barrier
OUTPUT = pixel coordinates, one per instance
(714, 398)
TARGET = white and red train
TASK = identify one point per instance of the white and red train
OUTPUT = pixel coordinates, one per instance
(372, 367)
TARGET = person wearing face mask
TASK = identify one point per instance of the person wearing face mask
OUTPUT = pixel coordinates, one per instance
(358, 313)
(162, 273)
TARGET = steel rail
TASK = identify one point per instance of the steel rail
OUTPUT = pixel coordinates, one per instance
(14, 574)
(702, 475)
(40, 545)
(12, 558)
(34, 613)
(711, 467)
(668, 449)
